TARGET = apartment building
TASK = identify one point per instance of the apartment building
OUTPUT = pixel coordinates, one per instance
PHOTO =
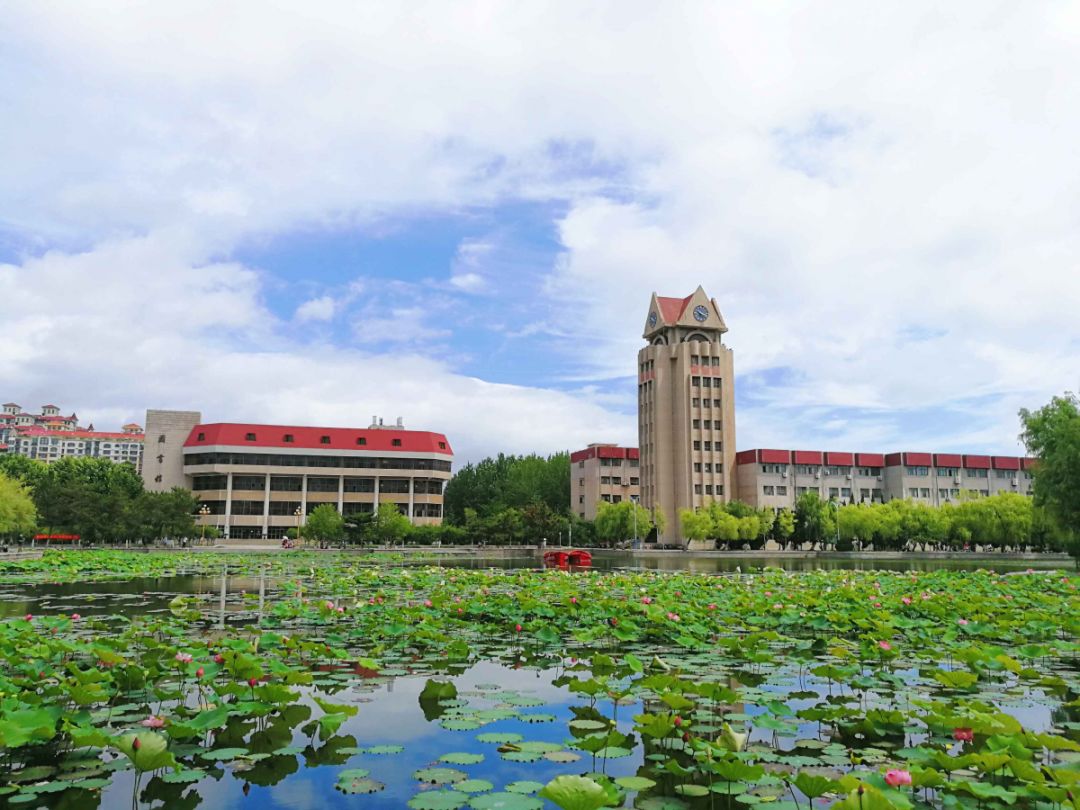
(686, 408)
(49, 436)
(257, 481)
(776, 478)
(603, 472)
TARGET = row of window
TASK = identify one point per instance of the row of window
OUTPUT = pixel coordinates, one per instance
(614, 479)
(708, 467)
(288, 483)
(708, 446)
(289, 508)
(696, 360)
(289, 438)
(709, 424)
(697, 402)
(708, 489)
(706, 382)
(353, 462)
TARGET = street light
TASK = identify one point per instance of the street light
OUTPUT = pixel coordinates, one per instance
(299, 513)
(204, 512)
(633, 504)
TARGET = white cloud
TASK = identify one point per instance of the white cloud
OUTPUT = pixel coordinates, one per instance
(839, 176)
(102, 332)
(316, 309)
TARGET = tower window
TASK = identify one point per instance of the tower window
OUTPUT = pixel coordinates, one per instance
(324, 440)
(361, 440)
(396, 442)
(289, 438)
(201, 437)
(249, 437)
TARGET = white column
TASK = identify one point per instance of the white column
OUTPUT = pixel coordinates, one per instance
(412, 487)
(341, 494)
(228, 505)
(303, 499)
(266, 507)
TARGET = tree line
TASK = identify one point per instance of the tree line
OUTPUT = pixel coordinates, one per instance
(98, 499)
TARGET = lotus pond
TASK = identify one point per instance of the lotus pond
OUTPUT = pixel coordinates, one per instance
(304, 680)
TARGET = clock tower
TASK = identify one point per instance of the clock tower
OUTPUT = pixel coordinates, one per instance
(686, 408)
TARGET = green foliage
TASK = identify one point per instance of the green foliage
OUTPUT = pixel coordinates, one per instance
(615, 521)
(390, 526)
(508, 482)
(150, 515)
(86, 496)
(325, 524)
(17, 512)
(1052, 435)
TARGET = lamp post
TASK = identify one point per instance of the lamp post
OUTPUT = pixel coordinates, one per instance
(633, 505)
(299, 513)
(204, 512)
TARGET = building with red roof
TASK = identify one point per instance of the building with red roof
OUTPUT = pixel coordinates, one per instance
(777, 478)
(49, 436)
(257, 481)
(603, 473)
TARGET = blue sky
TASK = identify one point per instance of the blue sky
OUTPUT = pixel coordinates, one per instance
(315, 212)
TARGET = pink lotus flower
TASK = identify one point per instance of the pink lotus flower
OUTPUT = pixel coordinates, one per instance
(645, 600)
(153, 721)
(963, 734)
(777, 606)
(427, 603)
(517, 628)
(925, 596)
(712, 606)
(673, 616)
(200, 672)
(962, 622)
(884, 645)
(877, 604)
(183, 658)
(768, 593)
(897, 778)
(219, 659)
(573, 600)
(75, 617)
(340, 609)
(460, 611)
(906, 600)
(29, 617)
(329, 605)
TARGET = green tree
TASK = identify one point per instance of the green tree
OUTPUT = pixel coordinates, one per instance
(27, 470)
(153, 515)
(86, 496)
(390, 526)
(696, 524)
(326, 525)
(493, 485)
(1052, 435)
(813, 522)
(17, 513)
(615, 521)
(784, 526)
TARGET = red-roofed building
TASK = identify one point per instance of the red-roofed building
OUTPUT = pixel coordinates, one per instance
(765, 479)
(257, 481)
(48, 436)
(603, 472)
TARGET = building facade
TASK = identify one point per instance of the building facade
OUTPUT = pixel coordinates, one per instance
(257, 481)
(49, 436)
(603, 472)
(776, 478)
(686, 408)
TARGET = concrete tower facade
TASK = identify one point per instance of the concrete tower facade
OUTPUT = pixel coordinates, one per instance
(686, 408)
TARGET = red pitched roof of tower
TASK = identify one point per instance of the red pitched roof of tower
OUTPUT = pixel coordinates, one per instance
(671, 309)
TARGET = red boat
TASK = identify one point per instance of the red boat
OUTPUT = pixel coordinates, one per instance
(564, 559)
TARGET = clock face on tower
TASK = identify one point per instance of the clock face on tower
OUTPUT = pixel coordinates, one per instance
(652, 319)
(701, 313)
